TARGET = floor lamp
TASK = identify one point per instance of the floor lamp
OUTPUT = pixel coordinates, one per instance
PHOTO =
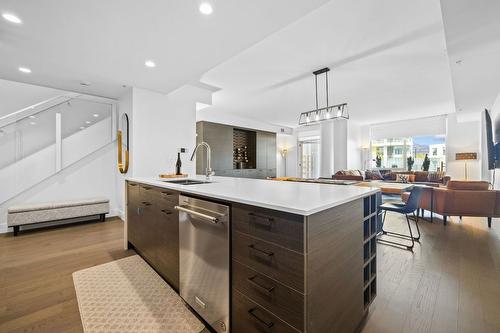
(283, 153)
(465, 157)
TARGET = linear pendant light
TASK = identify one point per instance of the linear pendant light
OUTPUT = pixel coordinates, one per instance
(326, 113)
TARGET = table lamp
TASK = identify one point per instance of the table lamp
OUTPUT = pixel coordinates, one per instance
(465, 157)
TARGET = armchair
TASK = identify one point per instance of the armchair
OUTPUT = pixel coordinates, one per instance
(461, 198)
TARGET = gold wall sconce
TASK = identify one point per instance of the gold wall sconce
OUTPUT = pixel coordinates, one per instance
(123, 148)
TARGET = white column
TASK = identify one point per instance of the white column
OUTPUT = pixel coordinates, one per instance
(326, 149)
(339, 145)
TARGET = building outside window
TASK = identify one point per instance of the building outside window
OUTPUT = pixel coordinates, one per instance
(309, 157)
(393, 152)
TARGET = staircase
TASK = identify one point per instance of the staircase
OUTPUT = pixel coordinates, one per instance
(39, 141)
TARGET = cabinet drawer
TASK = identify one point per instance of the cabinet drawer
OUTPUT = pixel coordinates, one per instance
(248, 317)
(146, 193)
(132, 194)
(286, 303)
(281, 228)
(274, 261)
(167, 195)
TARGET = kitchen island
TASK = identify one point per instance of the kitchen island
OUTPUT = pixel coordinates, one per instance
(301, 257)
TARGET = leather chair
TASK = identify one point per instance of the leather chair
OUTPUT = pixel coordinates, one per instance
(461, 198)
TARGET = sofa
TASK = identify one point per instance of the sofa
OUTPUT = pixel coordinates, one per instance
(461, 198)
(431, 178)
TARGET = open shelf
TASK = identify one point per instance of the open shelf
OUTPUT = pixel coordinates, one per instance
(244, 149)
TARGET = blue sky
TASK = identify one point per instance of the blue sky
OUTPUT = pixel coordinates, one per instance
(428, 140)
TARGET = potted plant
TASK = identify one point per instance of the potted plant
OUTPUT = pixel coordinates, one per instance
(426, 163)
(410, 160)
(378, 161)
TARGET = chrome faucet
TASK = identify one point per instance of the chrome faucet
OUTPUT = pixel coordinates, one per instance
(208, 172)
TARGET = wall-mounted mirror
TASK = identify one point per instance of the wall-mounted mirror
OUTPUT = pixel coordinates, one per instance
(123, 144)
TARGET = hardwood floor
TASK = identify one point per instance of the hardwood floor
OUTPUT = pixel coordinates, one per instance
(450, 283)
(36, 286)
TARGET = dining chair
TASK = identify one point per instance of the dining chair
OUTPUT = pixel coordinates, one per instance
(403, 208)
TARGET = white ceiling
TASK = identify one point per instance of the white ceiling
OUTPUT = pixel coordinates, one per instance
(107, 42)
(388, 61)
(473, 39)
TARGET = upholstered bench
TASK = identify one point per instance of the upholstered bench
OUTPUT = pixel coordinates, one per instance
(44, 212)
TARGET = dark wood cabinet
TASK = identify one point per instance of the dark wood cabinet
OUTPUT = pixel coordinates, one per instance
(262, 151)
(153, 228)
(289, 273)
(298, 273)
(167, 242)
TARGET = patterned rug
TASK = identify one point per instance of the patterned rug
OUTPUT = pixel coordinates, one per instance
(127, 295)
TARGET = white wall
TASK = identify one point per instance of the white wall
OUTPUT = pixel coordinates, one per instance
(161, 125)
(288, 141)
(93, 176)
(461, 137)
(125, 105)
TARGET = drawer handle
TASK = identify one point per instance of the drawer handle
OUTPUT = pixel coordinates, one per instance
(252, 281)
(268, 324)
(267, 253)
(130, 184)
(166, 211)
(261, 217)
(167, 193)
(146, 188)
(145, 203)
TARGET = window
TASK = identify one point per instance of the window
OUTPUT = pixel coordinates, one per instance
(309, 158)
(392, 153)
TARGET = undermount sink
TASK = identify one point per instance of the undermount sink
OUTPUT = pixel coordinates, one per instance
(186, 181)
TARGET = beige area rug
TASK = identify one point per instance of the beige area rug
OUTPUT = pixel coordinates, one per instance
(127, 295)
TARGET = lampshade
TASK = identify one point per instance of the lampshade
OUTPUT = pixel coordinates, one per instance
(465, 156)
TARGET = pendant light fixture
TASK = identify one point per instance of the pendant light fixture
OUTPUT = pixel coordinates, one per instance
(326, 113)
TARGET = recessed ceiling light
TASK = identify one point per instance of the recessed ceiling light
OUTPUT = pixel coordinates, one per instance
(82, 127)
(206, 8)
(12, 18)
(24, 70)
(96, 115)
(87, 122)
(32, 123)
(150, 63)
(32, 117)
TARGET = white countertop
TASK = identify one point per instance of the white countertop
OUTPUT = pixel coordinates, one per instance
(292, 197)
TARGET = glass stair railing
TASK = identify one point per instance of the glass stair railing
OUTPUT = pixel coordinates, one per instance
(40, 141)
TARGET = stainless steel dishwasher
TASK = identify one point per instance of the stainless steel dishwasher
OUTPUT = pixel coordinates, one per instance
(204, 259)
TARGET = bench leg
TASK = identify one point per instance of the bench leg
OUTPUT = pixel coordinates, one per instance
(16, 230)
(102, 217)
(489, 222)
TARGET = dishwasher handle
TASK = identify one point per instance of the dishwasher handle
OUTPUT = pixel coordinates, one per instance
(209, 218)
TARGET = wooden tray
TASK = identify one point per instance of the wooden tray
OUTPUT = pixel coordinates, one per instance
(173, 175)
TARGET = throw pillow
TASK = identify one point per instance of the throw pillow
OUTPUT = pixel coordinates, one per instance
(390, 176)
(373, 175)
(436, 176)
(411, 178)
(402, 178)
(421, 176)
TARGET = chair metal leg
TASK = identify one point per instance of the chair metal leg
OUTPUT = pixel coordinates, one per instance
(489, 222)
(403, 236)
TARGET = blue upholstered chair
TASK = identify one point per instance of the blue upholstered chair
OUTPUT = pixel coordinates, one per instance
(401, 208)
